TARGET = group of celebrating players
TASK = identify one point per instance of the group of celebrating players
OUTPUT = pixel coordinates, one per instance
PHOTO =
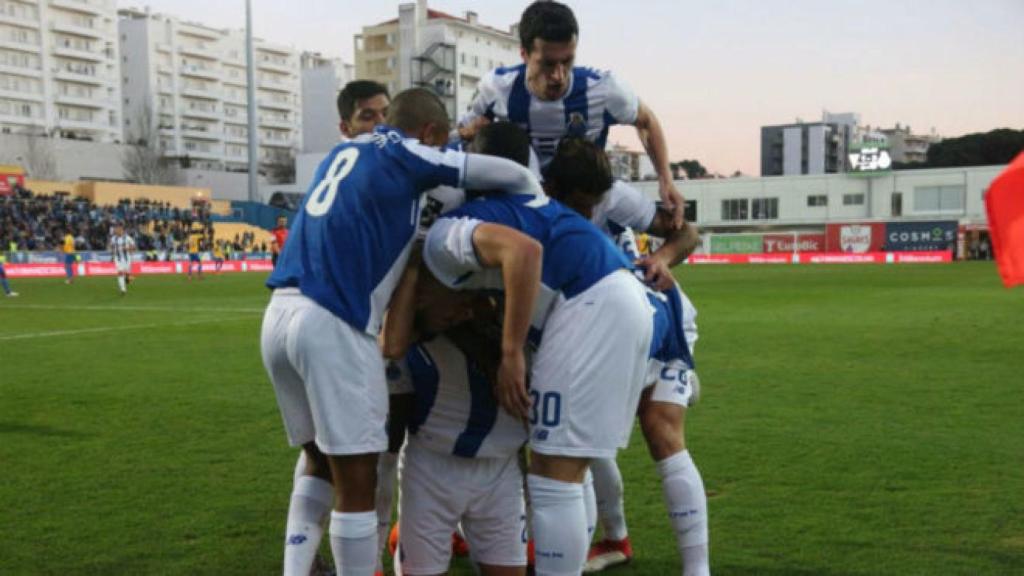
(447, 298)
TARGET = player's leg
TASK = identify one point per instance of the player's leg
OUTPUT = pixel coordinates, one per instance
(431, 502)
(614, 548)
(6, 285)
(662, 417)
(344, 376)
(400, 408)
(312, 494)
(606, 330)
(495, 520)
(69, 268)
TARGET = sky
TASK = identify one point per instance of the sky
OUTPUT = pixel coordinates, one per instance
(714, 72)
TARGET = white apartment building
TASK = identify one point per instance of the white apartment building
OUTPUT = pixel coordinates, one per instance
(191, 81)
(424, 47)
(59, 69)
(322, 79)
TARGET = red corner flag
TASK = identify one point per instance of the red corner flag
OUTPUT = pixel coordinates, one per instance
(1004, 203)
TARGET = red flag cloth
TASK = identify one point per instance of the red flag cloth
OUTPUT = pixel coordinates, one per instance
(1004, 203)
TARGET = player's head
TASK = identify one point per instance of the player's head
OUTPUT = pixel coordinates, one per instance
(547, 43)
(118, 227)
(439, 308)
(503, 139)
(362, 105)
(578, 175)
(420, 114)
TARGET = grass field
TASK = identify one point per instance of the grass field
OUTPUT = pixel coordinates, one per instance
(855, 420)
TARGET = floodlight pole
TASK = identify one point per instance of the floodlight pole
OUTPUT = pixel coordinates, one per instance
(250, 75)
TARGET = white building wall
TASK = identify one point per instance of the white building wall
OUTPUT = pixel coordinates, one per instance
(816, 149)
(792, 140)
(59, 69)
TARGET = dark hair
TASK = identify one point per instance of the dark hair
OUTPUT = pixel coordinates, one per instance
(503, 139)
(548, 20)
(578, 165)
(414, 108)
(355, 91)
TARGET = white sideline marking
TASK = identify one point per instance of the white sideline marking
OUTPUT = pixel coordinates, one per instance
(130, 308)
(113, 328)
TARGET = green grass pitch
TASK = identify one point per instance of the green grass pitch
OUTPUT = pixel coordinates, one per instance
(854, 420)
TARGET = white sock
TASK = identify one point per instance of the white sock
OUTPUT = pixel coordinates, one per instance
(300, 466)
(590, 502)
(354, 542)
(387, 472)
(559, 526)
(608, 489)
(311, 501)
(120, 283)
(687, 511)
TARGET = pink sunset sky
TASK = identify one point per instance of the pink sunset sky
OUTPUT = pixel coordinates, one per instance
(715, 72)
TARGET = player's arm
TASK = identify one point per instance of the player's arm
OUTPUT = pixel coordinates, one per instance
(455, 248)
(479, 113)
(484, 172)
(519, 258)
(678, 244)
(652, 136)
(399, 333)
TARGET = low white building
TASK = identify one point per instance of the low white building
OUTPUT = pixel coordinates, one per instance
(322, 79)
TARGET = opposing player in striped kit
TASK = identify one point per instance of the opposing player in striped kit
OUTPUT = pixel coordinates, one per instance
(121, 247)
(672, 383)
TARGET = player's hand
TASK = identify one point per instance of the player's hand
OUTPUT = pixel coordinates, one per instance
(657, 273)
(511, 387)
(673, 200)
(468, 132)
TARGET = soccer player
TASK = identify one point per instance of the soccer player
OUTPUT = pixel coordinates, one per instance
(218, 255)
(460, 464)
(121, 248)
(280, 233)
(69, 257)
(590, 307)
(348, 244)
(551, 98)
(3, 281)
(672, 380)
(362, 106)
(194, 259)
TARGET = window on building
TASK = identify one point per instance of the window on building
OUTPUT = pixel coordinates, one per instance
(735, 209)
(817, 200)
(462, 58)
(853, 199)
(897, 204)
(476, 61)
(938, 198)
(764, 208)
(690, 211)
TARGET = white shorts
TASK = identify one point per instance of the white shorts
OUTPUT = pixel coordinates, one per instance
(590, 368)
(673, 382)
(123, 266)
(440, 490)
(327, 375)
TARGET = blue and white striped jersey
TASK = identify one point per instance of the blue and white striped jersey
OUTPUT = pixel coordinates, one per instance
(594, 101)
(456, 411)
(351, 238)
(576, 254)
(121, 247)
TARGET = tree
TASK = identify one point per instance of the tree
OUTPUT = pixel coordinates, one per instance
(693, 168)
(279, 167)
(980, 149)
(143, 160)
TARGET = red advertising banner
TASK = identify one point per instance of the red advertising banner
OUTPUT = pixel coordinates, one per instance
(856, 238)
(784, 243)
(825, 258)
(138, 268)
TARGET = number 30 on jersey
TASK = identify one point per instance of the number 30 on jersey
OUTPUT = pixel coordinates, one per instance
(323, 195)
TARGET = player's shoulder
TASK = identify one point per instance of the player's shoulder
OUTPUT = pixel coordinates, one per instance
(502, 78)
